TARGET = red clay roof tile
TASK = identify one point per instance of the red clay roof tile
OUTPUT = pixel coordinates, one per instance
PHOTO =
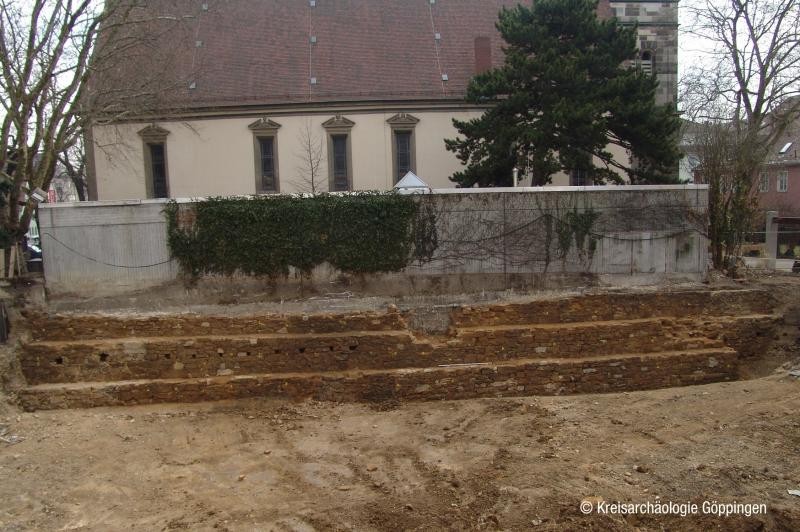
(259, 51)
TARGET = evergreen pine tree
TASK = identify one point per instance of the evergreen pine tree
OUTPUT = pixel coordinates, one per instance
(566, 93)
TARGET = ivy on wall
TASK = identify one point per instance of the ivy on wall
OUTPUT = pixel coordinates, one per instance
(580, 224)
(424, 231)
(366, 232)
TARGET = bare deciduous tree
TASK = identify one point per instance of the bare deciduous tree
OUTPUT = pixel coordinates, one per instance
(52, 55)
(724, 165)
(73, 162)
(741, 100)
(311, 175)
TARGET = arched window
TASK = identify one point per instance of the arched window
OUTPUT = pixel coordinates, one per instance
(647, 62)
(155, 161)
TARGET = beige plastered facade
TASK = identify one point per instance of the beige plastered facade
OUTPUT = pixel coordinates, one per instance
(215, 156)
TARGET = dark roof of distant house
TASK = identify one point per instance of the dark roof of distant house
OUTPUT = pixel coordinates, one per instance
(788, 146)
(786, 149)
(258, 52)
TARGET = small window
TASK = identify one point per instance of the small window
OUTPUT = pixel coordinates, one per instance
(579, 178)
(763, 184)
(340, 163)
(783, 181)
(340, 171)
(402, 141)
(646, 62)
(267, 151)
(158, 170)
(154, 149)
(404, 159)
(785, 148)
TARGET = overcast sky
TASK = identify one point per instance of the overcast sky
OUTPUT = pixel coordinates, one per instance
(690, 47)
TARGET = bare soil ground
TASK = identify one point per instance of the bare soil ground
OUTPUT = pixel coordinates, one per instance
(499, 464)
(488, 464)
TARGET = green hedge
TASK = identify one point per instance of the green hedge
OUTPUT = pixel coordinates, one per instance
(266, 235)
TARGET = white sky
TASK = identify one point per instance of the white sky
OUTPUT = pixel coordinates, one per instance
(690, 47)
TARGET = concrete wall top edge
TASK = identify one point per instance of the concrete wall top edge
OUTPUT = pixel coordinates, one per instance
(594, 188)
(442, 191)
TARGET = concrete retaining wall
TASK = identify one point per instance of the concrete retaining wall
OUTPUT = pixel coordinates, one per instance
(488, 240)
(104, 247)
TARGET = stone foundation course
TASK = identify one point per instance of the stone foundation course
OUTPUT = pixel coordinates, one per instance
(581, 344)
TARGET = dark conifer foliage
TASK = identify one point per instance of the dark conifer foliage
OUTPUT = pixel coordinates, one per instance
(569, 88)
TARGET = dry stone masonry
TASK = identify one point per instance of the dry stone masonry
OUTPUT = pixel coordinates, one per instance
(594, 343)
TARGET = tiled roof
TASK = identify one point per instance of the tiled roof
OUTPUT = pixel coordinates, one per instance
(250, 52)
(786, 150)
(787, 147)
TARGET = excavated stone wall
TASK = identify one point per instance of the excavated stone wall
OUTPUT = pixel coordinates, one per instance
(600, 342)
(543, 378)
(619, 306)
(212, 356)
(45, 326)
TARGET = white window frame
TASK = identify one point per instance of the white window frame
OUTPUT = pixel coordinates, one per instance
(783, 181)
(763, 184)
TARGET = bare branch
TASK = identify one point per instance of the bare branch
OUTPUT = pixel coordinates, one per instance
(61, 70)
(739, 104)
(311, 177)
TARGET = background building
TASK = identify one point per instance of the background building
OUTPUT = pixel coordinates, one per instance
(359, 91)
(779, 182)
